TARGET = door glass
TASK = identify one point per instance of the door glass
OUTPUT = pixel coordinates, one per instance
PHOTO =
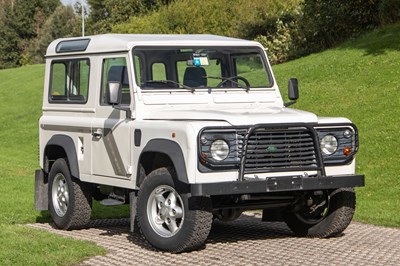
(115, 69)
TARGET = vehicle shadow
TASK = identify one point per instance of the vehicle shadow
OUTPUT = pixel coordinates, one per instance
(248, 227)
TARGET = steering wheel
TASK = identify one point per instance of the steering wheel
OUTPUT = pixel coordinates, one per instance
(246, 82)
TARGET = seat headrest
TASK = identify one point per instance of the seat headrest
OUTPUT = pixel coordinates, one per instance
(118, 74)
(194, 77)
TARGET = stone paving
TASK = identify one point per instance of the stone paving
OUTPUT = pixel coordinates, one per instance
(246, 241)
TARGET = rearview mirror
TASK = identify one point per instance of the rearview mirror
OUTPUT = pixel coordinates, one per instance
(113, 93)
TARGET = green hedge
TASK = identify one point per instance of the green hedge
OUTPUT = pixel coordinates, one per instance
(288, 29)
(316, 25)
(234, 18)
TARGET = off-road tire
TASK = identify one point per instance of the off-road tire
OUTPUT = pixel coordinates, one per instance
(79, 207)
(340, 212)
(195, 226)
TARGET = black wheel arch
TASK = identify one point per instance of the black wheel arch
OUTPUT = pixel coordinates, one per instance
(61, 146)
(168, 152)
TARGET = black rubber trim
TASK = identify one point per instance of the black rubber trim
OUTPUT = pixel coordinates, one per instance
(66, 143)
(138, 137)
(349, 158)
(41, 190)
(173, 151)
(277, 184)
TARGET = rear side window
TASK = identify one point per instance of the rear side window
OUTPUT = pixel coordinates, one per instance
(69, 81)
(158, 71)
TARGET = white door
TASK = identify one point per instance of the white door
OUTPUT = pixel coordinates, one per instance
(111, 144)
(111, 130)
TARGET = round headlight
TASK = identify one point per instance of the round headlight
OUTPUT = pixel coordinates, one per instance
(219, 150)
(329, 144)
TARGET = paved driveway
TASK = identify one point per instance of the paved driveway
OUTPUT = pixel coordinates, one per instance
(246, 241)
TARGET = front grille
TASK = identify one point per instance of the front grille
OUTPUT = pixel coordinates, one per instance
(278, 149)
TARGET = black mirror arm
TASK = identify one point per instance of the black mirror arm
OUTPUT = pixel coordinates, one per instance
(289, 103)
(127, 109)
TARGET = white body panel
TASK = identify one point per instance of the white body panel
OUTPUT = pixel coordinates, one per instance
(176, 116)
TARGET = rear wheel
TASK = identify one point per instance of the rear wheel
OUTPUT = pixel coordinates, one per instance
(70, 199)
(324, 215)
(164, 217)
(228, 215)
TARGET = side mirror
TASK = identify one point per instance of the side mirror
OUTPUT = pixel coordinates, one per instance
(113, 93)
(293, 91)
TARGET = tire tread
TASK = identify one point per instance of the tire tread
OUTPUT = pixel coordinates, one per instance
(80, 204)
(341, 211)
(199, 220)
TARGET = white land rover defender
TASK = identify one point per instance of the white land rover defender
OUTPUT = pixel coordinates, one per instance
(186, 129)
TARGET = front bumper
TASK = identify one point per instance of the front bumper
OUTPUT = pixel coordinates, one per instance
(277, 184)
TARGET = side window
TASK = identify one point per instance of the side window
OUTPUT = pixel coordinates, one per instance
(158, 71)
(115, 69)
(69, 81)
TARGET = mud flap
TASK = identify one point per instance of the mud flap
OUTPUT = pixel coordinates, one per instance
(41, 188)
(133, 209)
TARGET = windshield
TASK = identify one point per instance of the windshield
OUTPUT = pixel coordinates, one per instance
(201, 68)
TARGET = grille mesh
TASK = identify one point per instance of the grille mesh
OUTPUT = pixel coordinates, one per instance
(280, 149)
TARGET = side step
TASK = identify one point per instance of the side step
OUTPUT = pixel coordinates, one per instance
(113, 200)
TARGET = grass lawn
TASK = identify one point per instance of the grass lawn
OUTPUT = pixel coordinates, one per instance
(21, 97)
(25, 246)
(358, 80)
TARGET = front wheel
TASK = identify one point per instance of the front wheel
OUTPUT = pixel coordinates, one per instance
(325, 215)
(70, 200)
(164, 217)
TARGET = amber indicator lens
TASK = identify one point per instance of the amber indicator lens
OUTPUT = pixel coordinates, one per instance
(346, 151)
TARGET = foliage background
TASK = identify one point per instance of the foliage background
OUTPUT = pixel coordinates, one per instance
(288, 29)
(357, 79)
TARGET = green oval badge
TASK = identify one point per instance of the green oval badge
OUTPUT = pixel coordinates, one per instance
(271, 149)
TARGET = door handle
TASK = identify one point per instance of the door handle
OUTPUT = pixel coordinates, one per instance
(98, 133)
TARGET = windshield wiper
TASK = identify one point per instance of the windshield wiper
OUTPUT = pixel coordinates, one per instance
(173, 82)
(231, 79)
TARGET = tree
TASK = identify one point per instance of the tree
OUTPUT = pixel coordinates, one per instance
(328, 22)
(21, 23)
(62, 23)
(10, 54)
(106, 13)
(9, 39)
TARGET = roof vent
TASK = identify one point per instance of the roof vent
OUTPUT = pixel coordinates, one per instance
(72, 46)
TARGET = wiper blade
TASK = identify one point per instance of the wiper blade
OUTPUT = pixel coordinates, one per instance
(166, 81)
(231, 79)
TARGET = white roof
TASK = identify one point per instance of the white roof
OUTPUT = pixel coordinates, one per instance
(124, 42)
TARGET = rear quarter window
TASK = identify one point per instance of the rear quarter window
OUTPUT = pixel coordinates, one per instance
(69, 81)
